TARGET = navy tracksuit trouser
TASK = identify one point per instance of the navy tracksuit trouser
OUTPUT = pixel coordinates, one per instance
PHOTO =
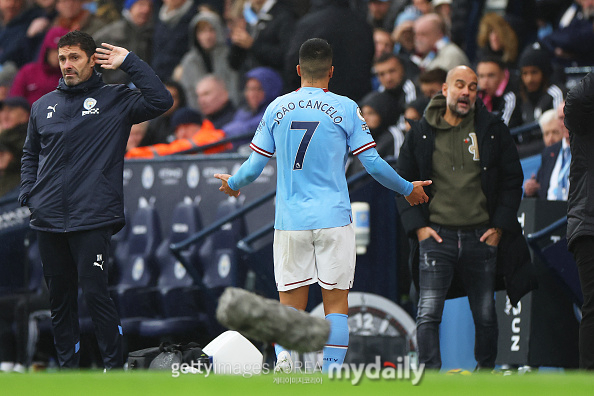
(80, 258)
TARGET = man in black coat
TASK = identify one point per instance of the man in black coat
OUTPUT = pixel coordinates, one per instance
(579, 118)
(72, 181)
(351, 38)
(470, 224)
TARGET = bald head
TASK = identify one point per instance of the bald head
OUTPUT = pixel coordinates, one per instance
(429, 29)
(460, 92)
(212, 95)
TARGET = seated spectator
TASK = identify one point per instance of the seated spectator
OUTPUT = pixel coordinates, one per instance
(15, 19)
(159, 129)
(414, 11)
(14, 111)
(431, 82)
(261, 36)
(538, 94)
(7, 75)
(381, 15)
(391, 75)
(262, 86)
(208, 55)
(11, 151)
(552, 129)
(443, 8)
(497, 38)
(73, 16)
(497, 91)
(433, 47)
(190, 131)
(213, 101)
(403, 36)
(133, 31)
(414, 111)
(381, 121)
(573, 39)
(137, 133)
(383, 43)
(552, 180)
(14, 117)
(170, 39)
(35, 79)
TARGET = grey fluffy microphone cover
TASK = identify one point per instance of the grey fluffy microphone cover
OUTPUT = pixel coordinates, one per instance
(268, 320)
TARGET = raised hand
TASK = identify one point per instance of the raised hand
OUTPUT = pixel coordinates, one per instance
(110, 57)
(418, 196)
(225, 186)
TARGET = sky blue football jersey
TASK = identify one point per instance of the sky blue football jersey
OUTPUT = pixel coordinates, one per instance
(311, 130)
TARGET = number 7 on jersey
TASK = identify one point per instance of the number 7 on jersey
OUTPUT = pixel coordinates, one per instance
(309, 127)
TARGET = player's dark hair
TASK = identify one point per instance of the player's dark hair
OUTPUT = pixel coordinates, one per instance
(77, 38)
(315, 58)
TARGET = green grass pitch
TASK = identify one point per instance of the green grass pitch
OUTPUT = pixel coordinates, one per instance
(89, 383)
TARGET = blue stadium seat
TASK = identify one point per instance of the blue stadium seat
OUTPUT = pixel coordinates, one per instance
(219, 254)
(137, 269)
(182, 301)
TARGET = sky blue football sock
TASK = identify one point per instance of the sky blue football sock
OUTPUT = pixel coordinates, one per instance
(338, 341)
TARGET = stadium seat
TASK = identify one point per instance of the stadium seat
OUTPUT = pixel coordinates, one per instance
(219, 253)
(182, 300)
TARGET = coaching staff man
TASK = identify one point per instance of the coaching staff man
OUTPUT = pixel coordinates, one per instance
(71, 180)
(579, 118)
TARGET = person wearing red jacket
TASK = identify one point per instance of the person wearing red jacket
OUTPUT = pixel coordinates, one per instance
(37, 78)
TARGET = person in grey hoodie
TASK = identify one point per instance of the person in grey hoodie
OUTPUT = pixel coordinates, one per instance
(207, 55)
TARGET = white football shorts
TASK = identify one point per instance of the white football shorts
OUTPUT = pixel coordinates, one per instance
(325, 255)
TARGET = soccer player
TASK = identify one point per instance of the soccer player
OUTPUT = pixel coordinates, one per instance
(311, 131)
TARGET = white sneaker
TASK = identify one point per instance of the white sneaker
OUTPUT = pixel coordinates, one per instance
(284, 363)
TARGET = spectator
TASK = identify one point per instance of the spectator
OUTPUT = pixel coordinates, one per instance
(134, 31)
(208, 55)
(497, 91)
(11, 151)
(170, 40)
(383, 43)
(73, 16)
(552, 179)
(15, 19)
(351, 38)
(465, 20)
(431, 81)
(15, 111)
(414, 11)
(444, 9)
(404, 38)
(261, 36)
(213, 101)
(573, 40)
(538, 93)
(497, 38)
(434, 49)
(159, 129)
(190, 131)
(400, 90)
(381, 15)
(414, 111)
(35, 79)
(381, 119)
(7, 75)
(262, 86)
(137, 133)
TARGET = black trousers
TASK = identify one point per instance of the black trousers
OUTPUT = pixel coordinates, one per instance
(69, 260)
(583, 252)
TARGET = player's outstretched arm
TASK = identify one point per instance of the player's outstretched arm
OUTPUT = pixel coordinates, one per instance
(110, 57)
(418, 196)
(225, 186)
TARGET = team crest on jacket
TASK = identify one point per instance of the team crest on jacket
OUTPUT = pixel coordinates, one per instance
(89, 105)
